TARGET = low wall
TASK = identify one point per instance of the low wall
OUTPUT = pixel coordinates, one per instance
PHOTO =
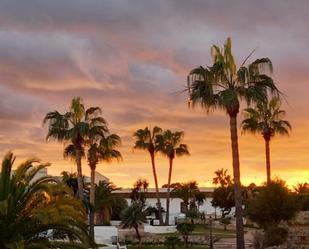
(115, 222)
(159, 229)
(298, 236)
(298, 233)
(104, 234)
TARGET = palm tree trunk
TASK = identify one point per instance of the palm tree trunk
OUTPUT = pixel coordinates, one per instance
(167, 217)
(92, 200)
(79, 174)
(138, 237)
(267, 153)
(157, 188)
(237, 184)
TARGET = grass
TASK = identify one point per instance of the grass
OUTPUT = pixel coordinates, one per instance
(164, 247)
(218, 232)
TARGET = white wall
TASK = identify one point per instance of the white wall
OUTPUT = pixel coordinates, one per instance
(207, 208)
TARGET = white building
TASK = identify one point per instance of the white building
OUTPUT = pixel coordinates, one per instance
(175, 203)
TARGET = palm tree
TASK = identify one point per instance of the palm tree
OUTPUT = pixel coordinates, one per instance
(222, 178)
(185, 229)
(139, 190)
(186, 191)
(70, 179)
(223, 86)
(33, 210)
(74, 128)
(133, 217)
(108, 204)
(145, 139)
(301, 188)
(266, 119)
(100, 149)
(169, 144)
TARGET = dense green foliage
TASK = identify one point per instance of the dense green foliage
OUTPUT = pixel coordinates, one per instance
(225, 221)
(172, 241)
(272, 205)
(108, 205)
(33, 210)
(223, 198)
(187, 191)
(133, 217)
(185, 229)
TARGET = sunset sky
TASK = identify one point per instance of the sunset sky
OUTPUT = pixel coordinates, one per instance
(129, 58)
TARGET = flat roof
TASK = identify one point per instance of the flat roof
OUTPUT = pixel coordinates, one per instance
(151, 193)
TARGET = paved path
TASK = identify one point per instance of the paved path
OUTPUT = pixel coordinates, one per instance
(231, 242)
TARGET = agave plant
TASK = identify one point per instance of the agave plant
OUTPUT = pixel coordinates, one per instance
(33, 209)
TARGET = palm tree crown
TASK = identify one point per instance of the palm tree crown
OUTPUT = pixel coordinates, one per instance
(266, 119)
(33, 210)
(169, 144)
(145, 138)
(104, 150)
(75, 128)
(222, 178)
(223, 86)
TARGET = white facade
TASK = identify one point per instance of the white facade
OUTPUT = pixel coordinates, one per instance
(175, 203)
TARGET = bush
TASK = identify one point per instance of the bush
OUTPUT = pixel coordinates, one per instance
(304, 202)
(172, 241)
(185, 229)
(272, 205)
(223, 197)
(192, 214)
(258, 239)
(275, 236)
(225, 221)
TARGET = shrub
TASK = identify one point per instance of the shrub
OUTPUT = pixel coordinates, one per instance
(185, 229)
(172, 241)
(272, 205)
(275, 236)
(192, 214)
(258, 239)
(225, 221)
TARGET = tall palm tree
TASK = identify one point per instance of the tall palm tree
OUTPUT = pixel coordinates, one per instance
(102, 149)
(222, 178)
(223, 86)
(267, 119)
(33, 209)
(145, 139)
(169, 144)
(74, 128)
